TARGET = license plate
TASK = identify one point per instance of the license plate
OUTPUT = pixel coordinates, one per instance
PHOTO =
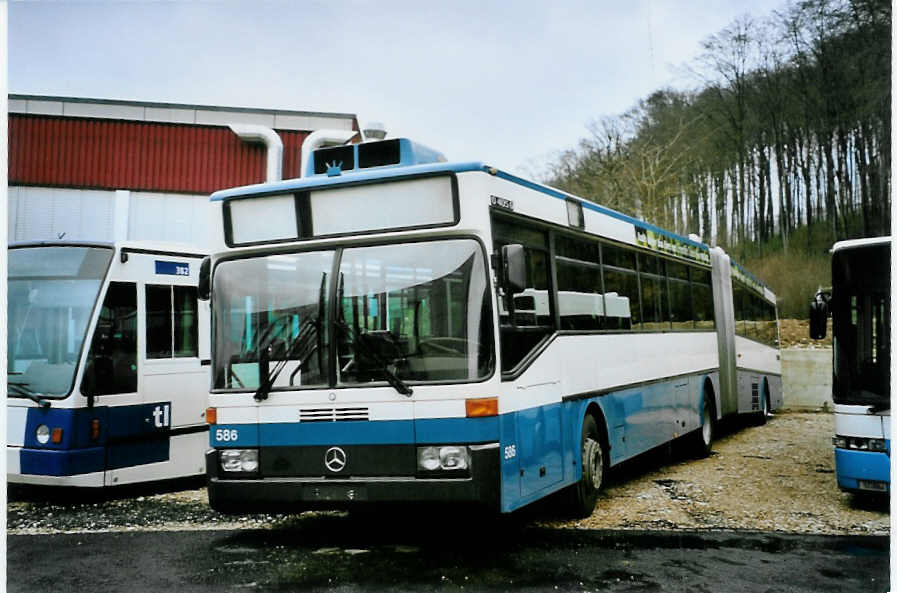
(872, 485)
(335, 492)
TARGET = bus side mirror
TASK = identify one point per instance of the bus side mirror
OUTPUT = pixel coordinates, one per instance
(204, 291)
(513, 261)
(819, 315)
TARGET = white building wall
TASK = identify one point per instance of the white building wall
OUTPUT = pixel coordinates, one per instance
(42, 213)
(169, 217)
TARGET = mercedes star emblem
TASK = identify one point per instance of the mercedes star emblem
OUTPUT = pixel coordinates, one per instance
(335, 459)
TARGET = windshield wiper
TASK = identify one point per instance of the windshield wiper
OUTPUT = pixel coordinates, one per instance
(22, 390)
(301, 347)
(382, 364)
(267, 336)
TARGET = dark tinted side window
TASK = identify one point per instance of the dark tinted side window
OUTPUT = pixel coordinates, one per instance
(621, 298)
(158, 322)
(112, 361)
(681, 314)
(702, 294)
(580, 294)
(171, 322)
(527, 318)
(655, 302)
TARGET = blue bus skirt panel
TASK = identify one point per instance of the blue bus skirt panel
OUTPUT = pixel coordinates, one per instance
(62, 463)
(851, 466)
(128, 436)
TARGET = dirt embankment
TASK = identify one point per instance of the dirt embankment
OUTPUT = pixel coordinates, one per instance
(795, 333)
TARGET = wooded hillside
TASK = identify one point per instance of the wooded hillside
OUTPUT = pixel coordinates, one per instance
(783, 147)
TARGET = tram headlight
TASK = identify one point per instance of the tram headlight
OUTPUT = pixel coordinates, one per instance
(42, 434)
(239, 460)
(443, 458)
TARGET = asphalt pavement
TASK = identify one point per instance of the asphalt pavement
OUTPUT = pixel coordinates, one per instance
(423, 553)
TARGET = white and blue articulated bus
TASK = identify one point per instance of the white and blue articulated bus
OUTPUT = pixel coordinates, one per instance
(107, 363)
(396, 328)
(859, 303)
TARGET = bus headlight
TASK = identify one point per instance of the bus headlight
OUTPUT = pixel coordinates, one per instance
(443, 458)
(859, 443)
(239, 460)
(42, 434)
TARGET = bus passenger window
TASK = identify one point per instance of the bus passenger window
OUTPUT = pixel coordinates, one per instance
(158, 322)
(112, 362)
(680, 296)
(702, 293)
(621, 299)
(655, 302)
(186, 324)
(580, 293)
(171, 323)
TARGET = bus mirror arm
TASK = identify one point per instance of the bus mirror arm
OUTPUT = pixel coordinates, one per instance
(204, 290)
(819, 311)
(513, 259)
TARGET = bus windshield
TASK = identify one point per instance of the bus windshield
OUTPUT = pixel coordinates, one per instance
(411, 312)
(52, 292)
(861, 323)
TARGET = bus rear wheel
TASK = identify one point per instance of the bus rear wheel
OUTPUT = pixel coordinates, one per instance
(703, 437)
(760, 417)
(584, 494)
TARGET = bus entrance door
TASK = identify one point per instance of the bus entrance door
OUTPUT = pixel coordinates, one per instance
(539, 439)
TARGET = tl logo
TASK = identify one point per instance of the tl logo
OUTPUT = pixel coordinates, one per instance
(162, 415)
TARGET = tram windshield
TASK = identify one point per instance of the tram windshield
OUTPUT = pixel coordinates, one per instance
(52, 293)
(396, 314)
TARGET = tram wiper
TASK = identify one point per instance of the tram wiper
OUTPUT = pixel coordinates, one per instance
(382, 364)
(21, 388)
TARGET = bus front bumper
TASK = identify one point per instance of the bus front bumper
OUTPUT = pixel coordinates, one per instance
(293, 494)
(80, 467)
(862, 471)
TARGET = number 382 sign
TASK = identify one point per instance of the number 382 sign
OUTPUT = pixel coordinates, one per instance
(172, 268)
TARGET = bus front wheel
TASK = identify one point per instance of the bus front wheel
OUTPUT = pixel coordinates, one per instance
(584, 494)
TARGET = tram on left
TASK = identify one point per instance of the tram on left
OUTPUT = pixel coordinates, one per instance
(108, 363)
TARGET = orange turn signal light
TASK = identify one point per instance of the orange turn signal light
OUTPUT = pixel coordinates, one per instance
(211, 416)
(94, 429)
(481, 406)
(56, 435)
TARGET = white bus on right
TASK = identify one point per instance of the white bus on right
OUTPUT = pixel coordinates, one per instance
(859, 303)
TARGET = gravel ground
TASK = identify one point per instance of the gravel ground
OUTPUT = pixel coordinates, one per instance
(777, 477)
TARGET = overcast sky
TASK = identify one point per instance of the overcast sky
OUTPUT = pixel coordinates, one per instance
(509, 83)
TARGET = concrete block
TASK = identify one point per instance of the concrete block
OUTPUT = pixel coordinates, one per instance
(807, 378)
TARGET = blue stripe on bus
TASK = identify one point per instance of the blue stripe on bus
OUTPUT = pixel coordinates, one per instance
(305, 183)
(456, 430)
(376, 432)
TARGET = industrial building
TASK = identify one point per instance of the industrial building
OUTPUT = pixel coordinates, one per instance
(104, 170)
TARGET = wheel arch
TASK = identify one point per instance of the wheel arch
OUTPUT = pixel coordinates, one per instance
(594, 410)
(708, 393)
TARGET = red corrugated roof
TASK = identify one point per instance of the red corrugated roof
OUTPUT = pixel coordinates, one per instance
(148, 156)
